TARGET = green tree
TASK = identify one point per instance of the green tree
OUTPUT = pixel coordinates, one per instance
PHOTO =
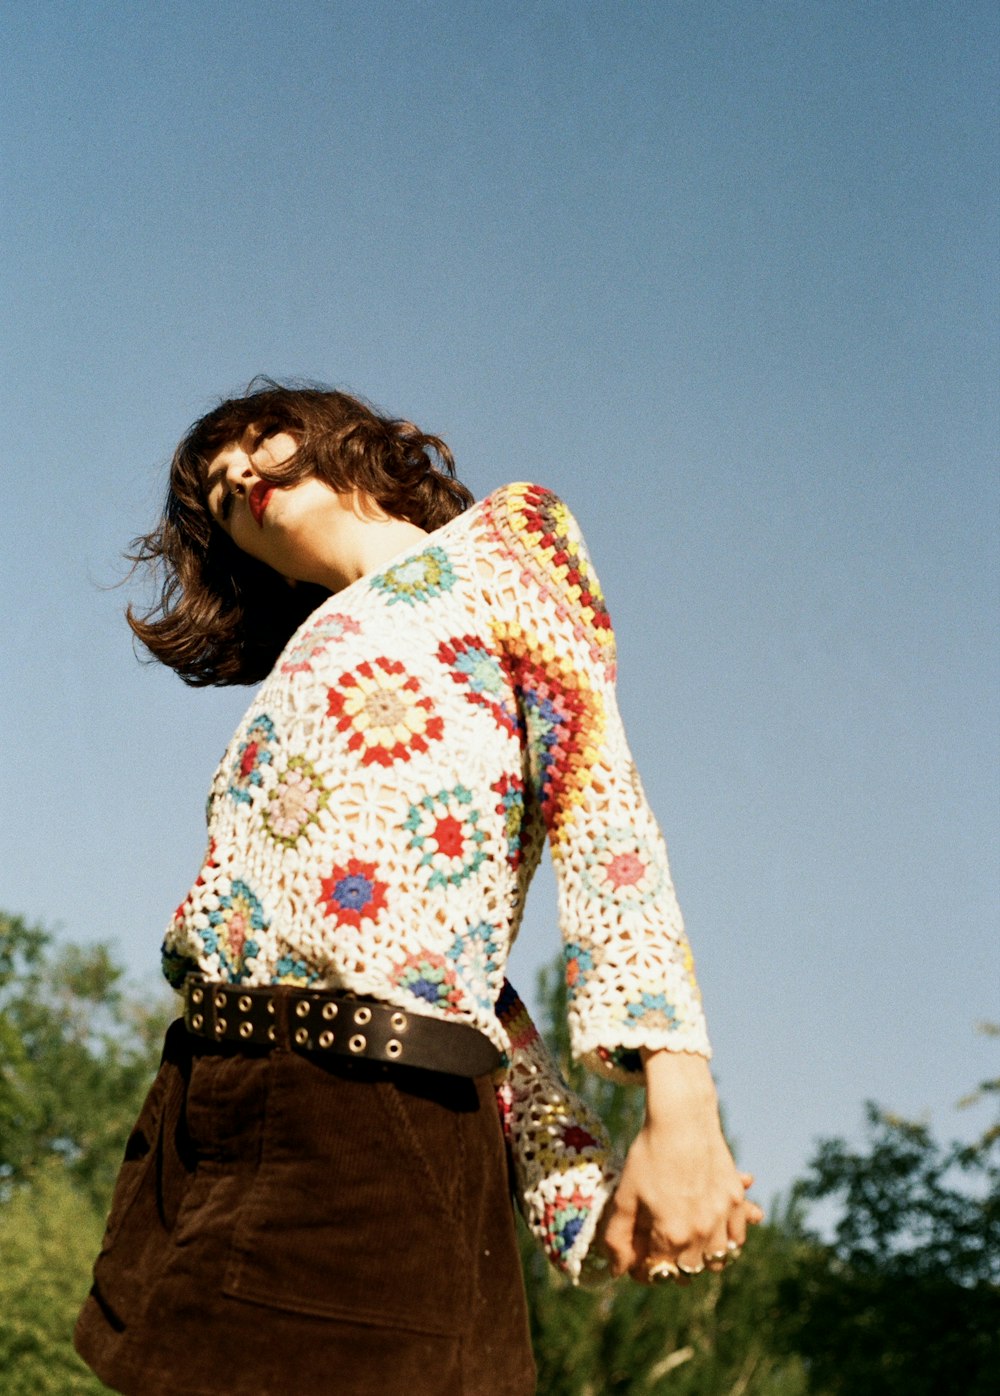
(906, 1297)
(49, 1235)
(77, 1054)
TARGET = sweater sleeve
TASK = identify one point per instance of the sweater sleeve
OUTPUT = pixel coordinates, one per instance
(629, 969)
(565, 1168)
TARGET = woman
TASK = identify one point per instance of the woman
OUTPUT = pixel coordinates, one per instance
(314, 1198)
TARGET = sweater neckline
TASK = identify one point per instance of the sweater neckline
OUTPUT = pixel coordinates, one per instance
(429, 540)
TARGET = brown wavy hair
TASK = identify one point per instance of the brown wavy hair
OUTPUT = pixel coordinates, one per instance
(222, 617)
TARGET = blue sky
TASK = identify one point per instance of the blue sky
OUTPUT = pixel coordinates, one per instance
(725, 277)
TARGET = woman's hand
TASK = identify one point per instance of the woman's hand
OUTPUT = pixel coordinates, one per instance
(680, 1199)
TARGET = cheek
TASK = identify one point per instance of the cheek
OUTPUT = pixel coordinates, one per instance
(278, 449)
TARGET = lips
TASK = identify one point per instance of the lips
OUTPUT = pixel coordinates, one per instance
(258, 499)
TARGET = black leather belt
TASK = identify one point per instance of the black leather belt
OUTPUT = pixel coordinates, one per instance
(323, 1020)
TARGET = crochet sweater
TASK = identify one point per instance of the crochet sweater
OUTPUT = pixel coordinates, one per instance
(379, 813)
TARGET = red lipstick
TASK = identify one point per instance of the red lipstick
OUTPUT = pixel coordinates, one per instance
(258, 499)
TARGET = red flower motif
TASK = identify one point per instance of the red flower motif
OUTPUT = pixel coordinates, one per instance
(381, 706)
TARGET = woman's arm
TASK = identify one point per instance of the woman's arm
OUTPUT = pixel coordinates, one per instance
(680, 1198)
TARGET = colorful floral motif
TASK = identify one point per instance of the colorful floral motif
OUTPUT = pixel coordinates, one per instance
(294, 802)
(579, 963)
(289, 970)
(510, 788)
(473, 665)
(252, 755)
(233, 928)
(352, 893)
(564, 723)
(329, 630)
(652, 1011)
(419, 578)
(430, 977)
(623, 871)
(445, 829)
(476, 955)
(383, 709)
(562, 1220)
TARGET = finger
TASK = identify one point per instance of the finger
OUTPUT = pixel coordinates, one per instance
(641, 1273)
(736, 1231)
(619, 1236)
(747, 1180)
(691, 1267)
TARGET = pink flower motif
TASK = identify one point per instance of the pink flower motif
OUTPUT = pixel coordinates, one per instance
(312, 642)
(625, 870)
(294, 802)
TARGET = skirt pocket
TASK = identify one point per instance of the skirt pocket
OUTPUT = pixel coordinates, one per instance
(355, 1210)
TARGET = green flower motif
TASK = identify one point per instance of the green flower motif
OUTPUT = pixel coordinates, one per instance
(419, 578)
(444, 828)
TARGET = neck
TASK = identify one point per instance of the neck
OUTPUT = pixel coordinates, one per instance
(366, 538)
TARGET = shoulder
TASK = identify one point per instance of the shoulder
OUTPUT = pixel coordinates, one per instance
(533, 520)
(533, 528)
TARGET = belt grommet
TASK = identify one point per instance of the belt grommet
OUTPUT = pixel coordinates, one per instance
(398, 1022)
(245, 1002)
(302, 1008)
(329, 1011)
(246, 1029)
(220, 1000)
(358, 1042)
(362, 1016)
(197, 1022)
(393, 1048)
(271, 1034)
(270, 1006)
(220, 1026)
(197, 995)
(326, 1038)
(301, 1036)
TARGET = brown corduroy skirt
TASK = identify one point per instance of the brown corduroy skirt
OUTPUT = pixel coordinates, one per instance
(285, 1223)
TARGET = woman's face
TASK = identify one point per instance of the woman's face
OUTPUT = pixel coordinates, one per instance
(286, 526)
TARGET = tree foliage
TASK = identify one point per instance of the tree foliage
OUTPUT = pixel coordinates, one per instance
(77, 1053)
(49, 1235)
(906, 1297)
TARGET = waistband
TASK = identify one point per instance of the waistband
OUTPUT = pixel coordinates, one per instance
(329, 1021)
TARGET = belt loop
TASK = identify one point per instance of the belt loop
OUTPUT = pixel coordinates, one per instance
(282, 1023)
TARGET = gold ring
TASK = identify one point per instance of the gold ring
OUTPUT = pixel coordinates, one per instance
(689, 1271)
(718, 1257)
(734, 1250)
(661, 1272)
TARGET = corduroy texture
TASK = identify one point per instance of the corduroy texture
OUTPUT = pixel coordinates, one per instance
(282, 1223)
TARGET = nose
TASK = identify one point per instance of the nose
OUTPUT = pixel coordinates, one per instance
(239, 472)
